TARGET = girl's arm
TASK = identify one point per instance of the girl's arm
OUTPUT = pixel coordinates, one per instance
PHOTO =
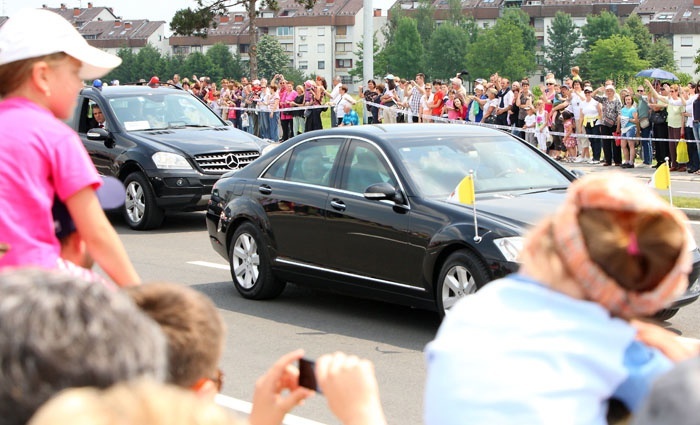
(101, 239)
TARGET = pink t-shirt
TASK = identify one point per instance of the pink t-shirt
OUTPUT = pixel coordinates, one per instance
(40, 157)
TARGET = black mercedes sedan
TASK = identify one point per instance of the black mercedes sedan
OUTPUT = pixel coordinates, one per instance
(366, 211)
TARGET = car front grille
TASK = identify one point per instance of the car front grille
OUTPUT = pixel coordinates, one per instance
(221, 162)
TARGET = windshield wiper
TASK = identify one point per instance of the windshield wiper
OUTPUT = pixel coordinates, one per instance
(546, 189)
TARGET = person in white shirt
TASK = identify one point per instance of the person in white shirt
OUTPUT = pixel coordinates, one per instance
(343, 99)
(335, 98)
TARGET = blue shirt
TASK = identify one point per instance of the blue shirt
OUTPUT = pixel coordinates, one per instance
(351, 118)
(519, 352)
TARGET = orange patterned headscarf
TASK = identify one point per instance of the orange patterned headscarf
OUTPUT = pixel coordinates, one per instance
(558, 254)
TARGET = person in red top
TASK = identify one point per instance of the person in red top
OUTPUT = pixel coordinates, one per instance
(438, 99)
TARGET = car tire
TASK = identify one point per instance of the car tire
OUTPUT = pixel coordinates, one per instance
(140, 210)
(250, 265)
(665, 314)
(462, 274)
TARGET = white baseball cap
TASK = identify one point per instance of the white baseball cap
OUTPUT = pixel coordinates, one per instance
(32, 33)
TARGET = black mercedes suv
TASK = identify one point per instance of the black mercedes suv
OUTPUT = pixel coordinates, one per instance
(166, 145)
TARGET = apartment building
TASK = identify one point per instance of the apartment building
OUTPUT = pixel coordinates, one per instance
(322, 40)
(676, 22)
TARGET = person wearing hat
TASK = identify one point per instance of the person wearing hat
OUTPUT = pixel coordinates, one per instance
(566, 337)
(42, 73)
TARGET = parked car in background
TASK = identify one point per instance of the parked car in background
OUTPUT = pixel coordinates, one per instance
(166, 145)
(365, 211)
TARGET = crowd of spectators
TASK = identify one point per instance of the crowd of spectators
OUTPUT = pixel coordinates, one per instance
(552, 344)
(607, 126)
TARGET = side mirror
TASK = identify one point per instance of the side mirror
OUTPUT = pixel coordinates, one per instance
(100, 134)
(383, 191)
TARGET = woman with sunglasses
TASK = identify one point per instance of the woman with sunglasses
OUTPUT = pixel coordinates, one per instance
(675, 106)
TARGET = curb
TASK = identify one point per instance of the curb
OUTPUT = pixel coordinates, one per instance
(692, 213)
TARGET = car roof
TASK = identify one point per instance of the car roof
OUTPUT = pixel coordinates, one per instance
(111, 91)
(391, 132)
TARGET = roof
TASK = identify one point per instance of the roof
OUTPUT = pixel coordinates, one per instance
(290, 8)
(670, 16)
(80, 15)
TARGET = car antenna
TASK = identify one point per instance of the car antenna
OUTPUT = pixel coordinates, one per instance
(477, 238)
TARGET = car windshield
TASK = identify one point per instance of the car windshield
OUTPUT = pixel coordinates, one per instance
(499, 164)
(159, 111)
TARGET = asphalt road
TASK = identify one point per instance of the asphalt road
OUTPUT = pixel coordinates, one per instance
(393, 337)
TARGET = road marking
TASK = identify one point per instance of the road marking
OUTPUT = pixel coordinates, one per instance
(245, 408)
(210, 265)
(693, 222)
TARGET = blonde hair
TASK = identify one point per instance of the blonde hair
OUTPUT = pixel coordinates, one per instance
(14, 74)
(140, 402)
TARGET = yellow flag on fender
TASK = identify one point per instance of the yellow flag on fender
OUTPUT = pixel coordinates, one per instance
(661, 178)
(464, 192)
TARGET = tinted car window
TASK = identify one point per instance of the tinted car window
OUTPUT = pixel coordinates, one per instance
(498, 163)
(366, 167)
(312, 162)
(158, 111)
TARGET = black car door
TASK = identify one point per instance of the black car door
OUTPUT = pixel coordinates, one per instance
(101, 155)
(367, 237)
(294, 194)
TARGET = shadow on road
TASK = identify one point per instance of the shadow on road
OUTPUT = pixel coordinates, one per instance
(175, 222)
(330, 313)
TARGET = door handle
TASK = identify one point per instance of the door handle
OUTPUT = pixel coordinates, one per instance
(338, 205)
(265, 189)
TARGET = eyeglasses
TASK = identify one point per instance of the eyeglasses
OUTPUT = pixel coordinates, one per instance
(550, 84)
(673, 91)
(640, 91)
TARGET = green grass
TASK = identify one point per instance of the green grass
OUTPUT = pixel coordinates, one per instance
(359, 107)
(684, 201)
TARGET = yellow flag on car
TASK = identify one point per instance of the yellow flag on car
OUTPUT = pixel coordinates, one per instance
(464, 192)
(661, 178)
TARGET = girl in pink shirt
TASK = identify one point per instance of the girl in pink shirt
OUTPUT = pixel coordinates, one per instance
(40, 156)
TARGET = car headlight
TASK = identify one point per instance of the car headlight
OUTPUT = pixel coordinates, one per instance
(510, 247)
(171, 161)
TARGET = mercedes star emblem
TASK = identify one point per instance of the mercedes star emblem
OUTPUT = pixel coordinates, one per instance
(231, 161)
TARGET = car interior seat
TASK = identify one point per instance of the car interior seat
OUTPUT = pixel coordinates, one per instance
(365, 172)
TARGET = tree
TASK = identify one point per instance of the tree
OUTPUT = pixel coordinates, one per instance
(272, 59)
(404, 51)
(455, 15)
(149, 62)
(599, 27)
(357, 71)
(126, 71)
(447, 51)
(521, 20)
(660, 55)
(197, 63)
(635, 29)
(221, 57)
(615, 57)
(500, 49)
(563, 38)
(197, 21)
(425, 20)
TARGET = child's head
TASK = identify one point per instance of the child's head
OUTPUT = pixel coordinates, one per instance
(529, 110)
(539, 104)
(566, 115)
(48, 65)
(615, 242)
(192, 325)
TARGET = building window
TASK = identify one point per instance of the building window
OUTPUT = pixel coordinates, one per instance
(343, 63)
(288, 47)
(303, 65)
(285, 31)
(181, 50)
(291, 64)
(687, 40)
(346, 79)
(303, 47)
(321, 48)
(303, 31)
(343, 47)
(321, 31)
(687, 62)
(341, 30)
(321, 65)
(243, 48)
